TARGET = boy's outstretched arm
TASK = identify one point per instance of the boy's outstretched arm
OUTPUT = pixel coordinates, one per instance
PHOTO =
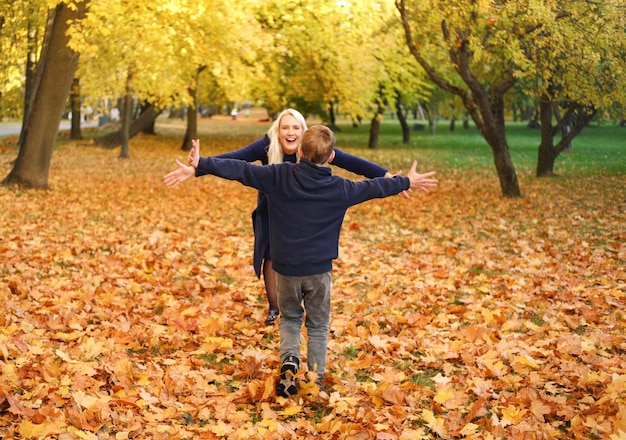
(421, 181)
(403, 194)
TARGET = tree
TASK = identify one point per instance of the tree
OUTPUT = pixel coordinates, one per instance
(401, 79)
(377, 118)
(318, 48)
(22, 24)
(455, 42)
(566, 52)
(582, 73)
(576, 118)
(126, 52)
(55, 72)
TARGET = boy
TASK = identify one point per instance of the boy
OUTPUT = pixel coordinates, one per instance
(307, 205)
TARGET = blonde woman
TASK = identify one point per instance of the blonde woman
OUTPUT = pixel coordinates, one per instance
(280, 144)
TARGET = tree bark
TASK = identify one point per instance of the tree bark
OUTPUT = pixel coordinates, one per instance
(150, 129)
(406, 131)
(375, 125)
(192, 114)
(332, 118)
(493, 130)
(125, 128)
(545, 155)
(576, 118)
(192, 122)
(75, 132)
(31, 71)
(55, 73)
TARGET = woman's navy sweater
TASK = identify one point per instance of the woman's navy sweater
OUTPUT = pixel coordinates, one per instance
(307, 205)
(257, 151)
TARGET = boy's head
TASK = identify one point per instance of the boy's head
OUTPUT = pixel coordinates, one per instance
(318, 144)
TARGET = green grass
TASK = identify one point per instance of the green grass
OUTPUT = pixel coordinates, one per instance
(598, 150)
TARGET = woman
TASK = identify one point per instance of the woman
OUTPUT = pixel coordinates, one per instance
(280, 144)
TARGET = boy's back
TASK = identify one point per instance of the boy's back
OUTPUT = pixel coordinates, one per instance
(307, 205)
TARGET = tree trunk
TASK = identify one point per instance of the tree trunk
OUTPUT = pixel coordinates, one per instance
(545, 155)
(406, 131)
(495, 134)
(55, 73)
(192, 114)
(431, 111)
(31, 66)
(452, 123)
(332, 119)
(375, 125)
(114, 140)
(149, 129)
(374, 131)
(507, 175)
(126, 118)
(192, 122)
(75, 132)
(576, 119)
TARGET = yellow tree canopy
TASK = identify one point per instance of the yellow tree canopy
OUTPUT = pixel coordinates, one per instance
(22, 25)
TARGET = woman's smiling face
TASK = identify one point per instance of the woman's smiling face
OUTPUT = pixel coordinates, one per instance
(290, 134)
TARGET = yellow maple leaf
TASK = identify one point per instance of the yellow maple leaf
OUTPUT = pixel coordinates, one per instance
(28, 429)
(292, 410)
(434, 423)
(444, 395)
(221, 429)
(215, 342)
(512, 415)
(526, 361)
(81, 434)
(469, 429)
(86, 401)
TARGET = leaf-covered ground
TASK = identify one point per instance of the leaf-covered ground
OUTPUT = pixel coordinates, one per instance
(131, 310)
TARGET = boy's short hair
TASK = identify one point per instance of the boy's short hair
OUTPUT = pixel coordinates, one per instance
(317, 144)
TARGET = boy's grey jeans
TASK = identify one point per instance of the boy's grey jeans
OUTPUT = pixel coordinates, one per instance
(297, 296)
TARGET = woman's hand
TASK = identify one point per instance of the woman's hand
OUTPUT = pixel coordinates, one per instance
(178, 176)
(421, 181)
(194, 154)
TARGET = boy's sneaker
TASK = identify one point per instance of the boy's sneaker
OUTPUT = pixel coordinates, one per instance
(287, 386)
(271, 317)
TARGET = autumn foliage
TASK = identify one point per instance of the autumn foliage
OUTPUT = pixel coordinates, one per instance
(131, 310)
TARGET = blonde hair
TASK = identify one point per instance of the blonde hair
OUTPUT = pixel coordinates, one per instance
(317, 144)
(275, 150)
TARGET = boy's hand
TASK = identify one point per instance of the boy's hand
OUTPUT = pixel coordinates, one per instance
(421, 181)
(178, 176)
(194, 154)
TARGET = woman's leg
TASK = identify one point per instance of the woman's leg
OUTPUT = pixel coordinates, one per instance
(269, 278)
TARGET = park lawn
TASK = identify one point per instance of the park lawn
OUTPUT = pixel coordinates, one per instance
(131, 310)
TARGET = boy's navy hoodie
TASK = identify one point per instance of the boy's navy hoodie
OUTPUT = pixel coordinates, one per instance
(307, 205)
